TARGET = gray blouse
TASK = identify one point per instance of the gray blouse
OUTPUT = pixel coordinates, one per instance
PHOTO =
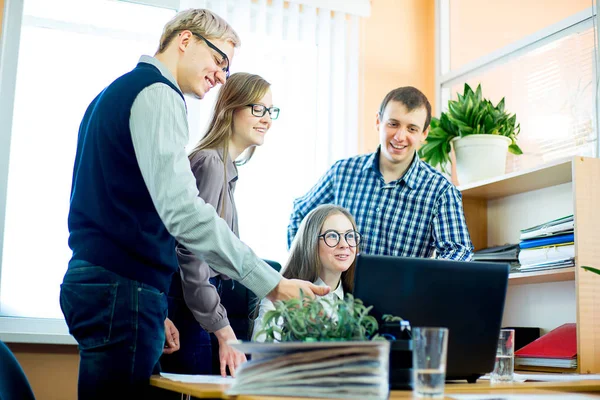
(199, 294)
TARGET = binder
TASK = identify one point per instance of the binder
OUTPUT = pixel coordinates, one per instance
(547, 241)
(558, 346)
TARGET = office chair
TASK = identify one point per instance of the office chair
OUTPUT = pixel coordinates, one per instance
(13, 382)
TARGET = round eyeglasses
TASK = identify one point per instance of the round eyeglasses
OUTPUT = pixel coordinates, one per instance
(332, 238)
(259, 110)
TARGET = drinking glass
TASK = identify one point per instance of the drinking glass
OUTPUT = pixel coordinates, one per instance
(430, 346)
(504, 367)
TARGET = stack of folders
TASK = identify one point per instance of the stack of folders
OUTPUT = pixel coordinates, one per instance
(556, 349)
(548, 246)
(508, 253)
(347, 369)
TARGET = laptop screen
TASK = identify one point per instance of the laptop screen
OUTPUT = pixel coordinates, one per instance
(466, 297)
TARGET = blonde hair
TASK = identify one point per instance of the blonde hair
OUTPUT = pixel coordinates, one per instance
(200, 21)
(239, 90)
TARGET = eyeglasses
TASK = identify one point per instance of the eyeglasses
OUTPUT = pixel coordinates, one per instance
(224, 63)
(258, 110)
(332, 238)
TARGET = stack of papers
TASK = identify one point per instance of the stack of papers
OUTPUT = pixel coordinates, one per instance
(349, 369)
(554, 227)
(548, 246)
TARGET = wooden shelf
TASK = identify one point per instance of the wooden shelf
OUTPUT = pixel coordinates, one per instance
(555, 275)
(541, 177)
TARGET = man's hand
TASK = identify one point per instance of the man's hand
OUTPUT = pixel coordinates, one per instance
(228, 356)
(171, 337)
(290, 289)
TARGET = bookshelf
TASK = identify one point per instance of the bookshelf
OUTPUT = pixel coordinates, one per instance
(583, 176)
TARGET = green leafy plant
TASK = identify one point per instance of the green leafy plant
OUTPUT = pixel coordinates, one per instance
(319, 320)
(594, 270)
(471, 114)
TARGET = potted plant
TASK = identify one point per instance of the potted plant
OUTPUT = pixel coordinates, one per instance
(480, 133)
(309, 320)
(324, 348)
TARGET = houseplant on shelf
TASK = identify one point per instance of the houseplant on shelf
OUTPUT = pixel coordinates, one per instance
(480, 133)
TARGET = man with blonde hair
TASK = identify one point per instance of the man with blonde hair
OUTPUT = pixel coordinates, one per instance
(133, 195)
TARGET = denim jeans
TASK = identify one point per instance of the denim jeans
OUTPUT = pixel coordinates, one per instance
(195, 353)
(119, 326)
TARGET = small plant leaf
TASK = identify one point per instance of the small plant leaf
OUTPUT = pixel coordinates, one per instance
(591, 269)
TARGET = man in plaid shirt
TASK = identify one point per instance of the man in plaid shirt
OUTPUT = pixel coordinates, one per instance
(402, 205)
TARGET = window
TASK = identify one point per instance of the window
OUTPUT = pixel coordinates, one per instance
(62, 53)
(547, 75)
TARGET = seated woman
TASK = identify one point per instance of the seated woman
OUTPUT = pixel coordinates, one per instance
(324, 252)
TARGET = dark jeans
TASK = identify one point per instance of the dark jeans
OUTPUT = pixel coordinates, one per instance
(195, 351)
(119, 326)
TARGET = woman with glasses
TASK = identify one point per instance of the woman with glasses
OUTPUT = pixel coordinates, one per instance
(324, 252)
(242, 117)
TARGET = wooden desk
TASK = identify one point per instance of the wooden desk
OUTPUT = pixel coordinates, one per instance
(215, 391)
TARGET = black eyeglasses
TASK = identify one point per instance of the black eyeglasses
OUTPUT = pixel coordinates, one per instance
(224, 63)
(332, 238)
(258, 110)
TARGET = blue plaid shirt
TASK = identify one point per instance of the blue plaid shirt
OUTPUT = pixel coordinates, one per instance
(410, 217)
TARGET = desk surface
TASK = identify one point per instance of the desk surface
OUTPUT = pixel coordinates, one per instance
(216, 391)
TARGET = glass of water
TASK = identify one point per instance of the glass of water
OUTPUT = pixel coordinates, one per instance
(504, 367)
(430, 346)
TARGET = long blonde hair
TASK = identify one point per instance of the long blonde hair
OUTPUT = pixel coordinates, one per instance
(239, 90)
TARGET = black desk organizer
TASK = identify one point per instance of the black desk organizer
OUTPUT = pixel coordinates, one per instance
(400, 376)
(400, 361)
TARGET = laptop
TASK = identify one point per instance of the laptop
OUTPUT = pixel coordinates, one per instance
(466, 297)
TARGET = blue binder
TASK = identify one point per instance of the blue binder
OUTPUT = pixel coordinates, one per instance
(547, 241)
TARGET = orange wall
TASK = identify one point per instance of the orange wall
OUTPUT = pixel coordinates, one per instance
(51, 369)
(475, 30)
(397, 48)
(1, 14)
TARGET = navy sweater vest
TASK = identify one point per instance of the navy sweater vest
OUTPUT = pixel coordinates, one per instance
(112, 220)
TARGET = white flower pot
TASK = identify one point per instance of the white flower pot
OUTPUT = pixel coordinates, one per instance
(480, 157)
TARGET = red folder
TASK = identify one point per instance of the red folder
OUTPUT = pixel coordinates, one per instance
(558, 343)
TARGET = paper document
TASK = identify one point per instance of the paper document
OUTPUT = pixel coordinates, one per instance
(498, 396)
(558, 377)
(198, 378)
(520, 377)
